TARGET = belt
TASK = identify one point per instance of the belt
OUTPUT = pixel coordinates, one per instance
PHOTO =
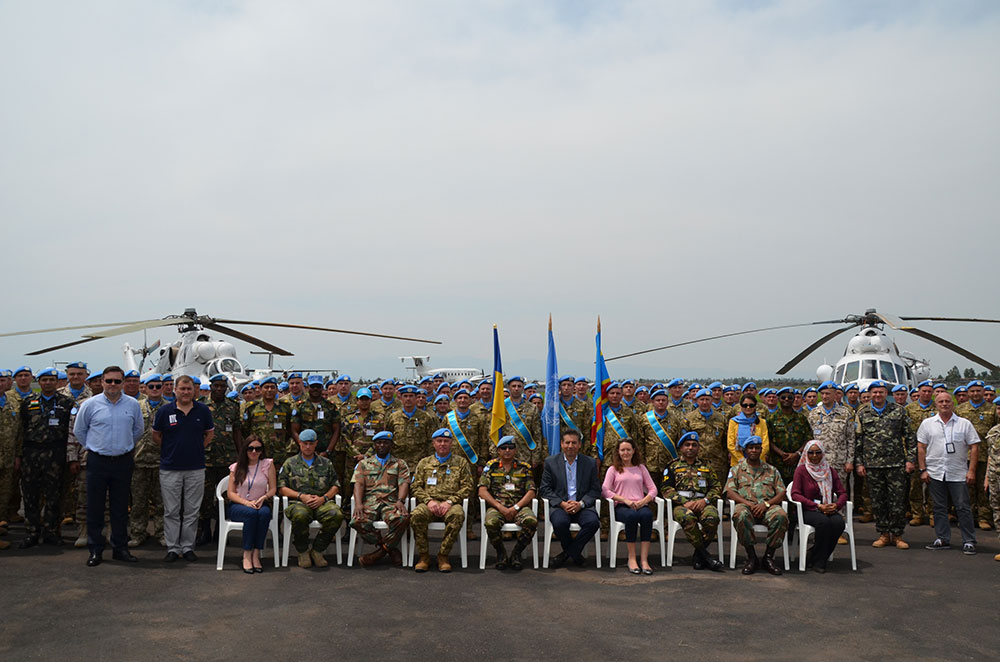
(111, 457)
(687, 494)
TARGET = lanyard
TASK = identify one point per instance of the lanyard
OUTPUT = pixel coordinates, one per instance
(256, 467)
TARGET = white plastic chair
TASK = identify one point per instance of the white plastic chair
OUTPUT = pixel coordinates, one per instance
(439, 526)
(675, 529)
(227, 526)
(286, 531)
(804, 530)
(617, 527)
(379, 526)
(574, 528)
(757, 528)
(506, 528)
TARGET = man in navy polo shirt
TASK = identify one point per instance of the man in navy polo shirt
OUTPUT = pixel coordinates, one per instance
(182, 429)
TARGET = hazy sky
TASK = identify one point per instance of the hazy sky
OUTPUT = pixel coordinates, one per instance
(683, 169)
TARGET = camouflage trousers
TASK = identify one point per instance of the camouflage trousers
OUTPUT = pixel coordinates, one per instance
(775, 519)
(700, 530)
(524, 519)
(888, 488)
(145, 495)
(385, 512)
(921, 504)
(209, 506)
(329, 517)
(6, 491)
(994, 500)
(982, 511)
(41, 483)
(453, 521)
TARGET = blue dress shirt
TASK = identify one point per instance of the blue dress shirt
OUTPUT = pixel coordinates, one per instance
(570, 479)
(109, 428)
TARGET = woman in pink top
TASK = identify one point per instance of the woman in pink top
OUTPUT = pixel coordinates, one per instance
(252, 485)
(630, 486)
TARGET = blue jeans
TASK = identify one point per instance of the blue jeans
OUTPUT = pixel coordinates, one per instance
(255, 523)
(640, 519)
(959, 493)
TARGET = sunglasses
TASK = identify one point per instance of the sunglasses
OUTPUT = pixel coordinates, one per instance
(151, 387)
(254, 449)
(814, 452)
(747, 404)
(112, 381)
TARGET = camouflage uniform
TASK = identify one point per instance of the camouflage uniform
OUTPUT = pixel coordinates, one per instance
(42, 447)
(508, 487)
(357, 430)
(411, 435)
(682, 408)
(75, 487)
(344, 407)
(921, 504)
(15, 397)
(611, 436)
(146, 479)
(440, 481)
(712, 432)
(476, 430)
(636, 406)
(883, 444)
(983, 418)
(10, 428)
(533, 421)
(789, 433)
(273, 428)
(383, 409)
(684, 482)
(992, 452)
(579, 413)
(758, 485)
(380, 485)
(221, 452)
(836, 432)
(653, 451)
(317, 479)
(324, 418)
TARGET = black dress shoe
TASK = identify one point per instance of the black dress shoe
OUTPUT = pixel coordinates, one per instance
(171, 557)
(647, 571)
(258, 570)
(559, 560)
(247, 570)
(52, 539)
(715, 565)
(190, 556)
(28, 542)
(94, 560)
(578, 561)
(123, 555)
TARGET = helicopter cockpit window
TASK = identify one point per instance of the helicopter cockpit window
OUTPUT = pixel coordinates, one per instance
(850, 372)
(888, 372)
(230, 365)
(902, 374)
(839, 375)
(868, 370)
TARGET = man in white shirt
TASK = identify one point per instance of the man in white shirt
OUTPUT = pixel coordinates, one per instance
(947, 451)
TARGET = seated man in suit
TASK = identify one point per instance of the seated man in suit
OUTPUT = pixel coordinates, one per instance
(569, 484)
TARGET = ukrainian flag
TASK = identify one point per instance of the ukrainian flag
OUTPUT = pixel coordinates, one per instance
(499, 418)
(601, 383)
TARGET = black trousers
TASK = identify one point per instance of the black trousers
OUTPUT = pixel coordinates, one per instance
(589, 524)
(829, 528)
(111, 478)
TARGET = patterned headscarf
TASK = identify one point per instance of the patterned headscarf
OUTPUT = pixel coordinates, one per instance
(820, 471)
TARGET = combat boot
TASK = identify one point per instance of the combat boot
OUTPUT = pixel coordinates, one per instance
(444, 565)
(514, 560)
(900, 543)
(750, 566)
(501, 563)
(769, 563)
(882, 541)
(866, 517)
(318, 559)
(395, 556)
(713, 564)
(424, 563)
(698, 561)
(371, 558)
(81, 538)
(305, 559)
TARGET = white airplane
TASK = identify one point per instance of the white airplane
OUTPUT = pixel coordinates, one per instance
(421, 368)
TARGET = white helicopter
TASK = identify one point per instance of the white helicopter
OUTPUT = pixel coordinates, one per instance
(421, 368)
(195, 353)
(870, 355)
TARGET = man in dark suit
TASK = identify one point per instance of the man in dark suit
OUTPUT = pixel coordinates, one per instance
(569, 484)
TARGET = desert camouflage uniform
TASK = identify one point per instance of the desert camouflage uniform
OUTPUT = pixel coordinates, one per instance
(682, 408)
(921, 504)
(10, 428)
(273, 428)
(533, 421)
(411, 435)
(712, 433)
(317, 479)
(789, 433)
(449, 481)
(629, 425)
(883, 444)
(683, 482)
(836, 432)
(75, 487)
(654, 452)
(476, 430)
(42, 449)
(146, 493)
(384, 409)
(992, 452)
(380, 486)
(344, 407)
(508, 487)
(637, 407)
(758, 485)
(983, 418)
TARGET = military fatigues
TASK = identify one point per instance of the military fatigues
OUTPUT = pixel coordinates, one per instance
(684, 482)
(273, 428)
(655, 453)
(579, 413)
(10, 429)
(317, 479)
(357, 430)
(789, 433)
(324, 418)
(383, 408)
(921, 504)
(636, 406)
(380, 484)
(476, 430)
(712, 431)
(344, 406)
(533, 422)
(42, 449)
(884, 443)
(983, 418)
(836, 432)
(440, 481)
(221, 452)
(629, 425)
(682, 408)
(75, 487)
(758, 485)
(508, 486)
(992, 452)
(146, 493)
(411, 435)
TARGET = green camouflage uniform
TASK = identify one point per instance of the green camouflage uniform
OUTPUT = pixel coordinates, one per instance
(411, 435)
(380, 485)
(317, 479)
(787, 432)
(712, 435)
(75, 487)
(883, 444)
(324, 418)
(684, 481)
(146, 493)
(638, 409)
(440, 481)
(508, 487)
(921, 504)
(344, 407)
(993, 472)
(384, 409)
(273, 428)
(357, 430)
(42, 449)
(221, 452)
(758, 485)
(653, 451)
(983, 418)
(10, 428)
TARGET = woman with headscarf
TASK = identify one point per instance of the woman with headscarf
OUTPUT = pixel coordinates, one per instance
(818, 488)
(744, 425)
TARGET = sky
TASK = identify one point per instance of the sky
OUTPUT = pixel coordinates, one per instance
(431, 169)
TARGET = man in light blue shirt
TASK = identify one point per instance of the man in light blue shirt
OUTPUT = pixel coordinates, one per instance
(107, 426)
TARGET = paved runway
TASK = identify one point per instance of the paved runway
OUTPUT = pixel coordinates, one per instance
(912, 604)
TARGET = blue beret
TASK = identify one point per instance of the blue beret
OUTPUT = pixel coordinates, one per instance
(441, 432)
(730, 388)
(21, 369)
(899, 387)
(614, 385)
(535, 395)
(702, 392)
(460, 392)
(996, 401)
(442, 397)
(688, 435)
(850, 387)
(676, 381)
(749, 385)
(811, 389)
(131, 373)
(566, 378)
(315, 379)
(516, 378)
(878, 383)
(765, 391)
(641, 389)
(438, 374)
(715, 385)
(696, 385)
(751, 440)
(990, 387)
(167, 378)
(6, 373)
(657, 392)
(657, 385)
(785, 389)
(282, 386)
(421, 391)
(926, 382)
(941, 385)
(975, 382)
(579, 379)
(385, 434)
(912, 391)
(507, 440)
(218, 377)
(960, 389)
(407, 388)
(256, 382)
(155, 377)
(204, 387)
(626, 382)
(307, 435)
(382, 383)
(423, 380)
(364, 393)
(295, 375)
(474, 392)
(268, 380)
(246, 387)
(61, 375)
(196, 380)
(77, 364)
(232, 395)
(47, 372)
(343, 378)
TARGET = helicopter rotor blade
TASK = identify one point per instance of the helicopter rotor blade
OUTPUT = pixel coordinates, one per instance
(245, 337)
(811, 348)
(64, 328)
(139, 326)
(893, 321)
(953, 347)
(62, 346)
(948, 319)
(323, 328)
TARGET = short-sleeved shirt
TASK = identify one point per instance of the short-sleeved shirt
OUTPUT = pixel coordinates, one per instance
(947, 454)
(183, 436)
(507, 486)
(759, 485)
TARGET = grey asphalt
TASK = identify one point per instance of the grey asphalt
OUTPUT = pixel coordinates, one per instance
(913, 604)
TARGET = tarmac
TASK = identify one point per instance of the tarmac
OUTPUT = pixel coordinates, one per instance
(907, 604)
